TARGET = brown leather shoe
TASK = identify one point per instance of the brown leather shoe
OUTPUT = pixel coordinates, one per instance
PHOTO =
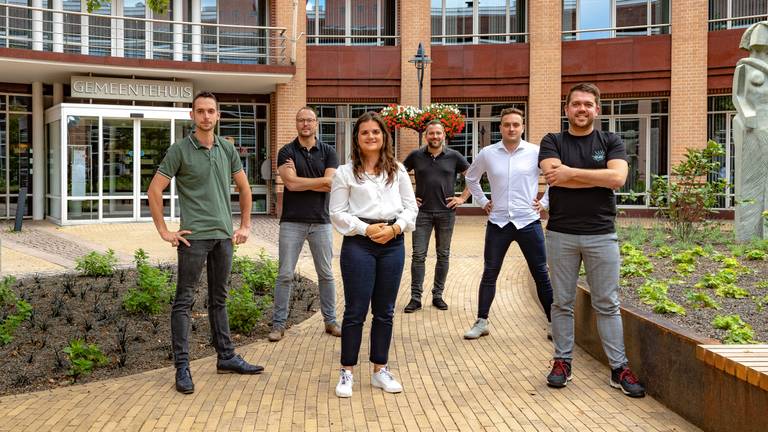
(276, 334)
(333, 329)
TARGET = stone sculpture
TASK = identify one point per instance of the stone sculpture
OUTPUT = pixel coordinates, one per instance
(750, 133)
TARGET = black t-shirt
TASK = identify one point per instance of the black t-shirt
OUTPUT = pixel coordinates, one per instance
(435, 176)
(307, 206)
(587, 211)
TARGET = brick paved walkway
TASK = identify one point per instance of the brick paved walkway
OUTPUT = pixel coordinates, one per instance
(495, 383)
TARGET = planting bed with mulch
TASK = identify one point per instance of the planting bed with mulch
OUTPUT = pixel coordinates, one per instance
(714, 267)
(70, 306)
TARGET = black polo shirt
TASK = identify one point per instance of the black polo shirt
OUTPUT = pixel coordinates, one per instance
(307, 206)
(435, 176)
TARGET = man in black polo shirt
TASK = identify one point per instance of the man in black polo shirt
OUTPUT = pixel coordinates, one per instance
(436, 169)
(306, 166)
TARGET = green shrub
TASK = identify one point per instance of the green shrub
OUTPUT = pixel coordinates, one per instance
(686, 198)
(96, 264)
(755, 255)
(684, 269)
(666, 306)
(83, 358)
(727, 322)
(701, 300)
(664, 252)
(261, 277)
(242, 264)
(634, 263)
(734, 264)
(741, 335)
(14, 310)
(652, 291)
(732, 291)
(716, 280)
(244, 310)
(154, 288)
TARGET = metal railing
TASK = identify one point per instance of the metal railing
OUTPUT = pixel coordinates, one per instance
(735, 22)
(479, 38)
(341, 39)
(42, 29)
(620, 31)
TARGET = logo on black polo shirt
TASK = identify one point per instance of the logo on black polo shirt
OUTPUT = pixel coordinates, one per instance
(598, 155)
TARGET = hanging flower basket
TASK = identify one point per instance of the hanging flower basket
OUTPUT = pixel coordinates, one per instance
(401, 116)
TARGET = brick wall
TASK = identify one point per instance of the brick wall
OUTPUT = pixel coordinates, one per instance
(545, 23)
(688, 96)
(414, 16)
(291, 96)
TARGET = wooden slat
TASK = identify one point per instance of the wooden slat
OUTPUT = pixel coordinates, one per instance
(746, 362)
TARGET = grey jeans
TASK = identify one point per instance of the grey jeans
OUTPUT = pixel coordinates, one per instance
(320, 239)
(600, 254)
(218, 256)
(442, 222)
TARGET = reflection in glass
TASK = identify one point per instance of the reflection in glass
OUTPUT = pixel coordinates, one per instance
(630, 13)
(100, 31)
(117, 208)
(594, 14)
(144, 208)
(135, 30)
(53, 188)
(82, 156)
(118, 157)
(155, 140)
(458, 20)
(83, 210)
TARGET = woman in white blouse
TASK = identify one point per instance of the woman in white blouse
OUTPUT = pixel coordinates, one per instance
(372, 204)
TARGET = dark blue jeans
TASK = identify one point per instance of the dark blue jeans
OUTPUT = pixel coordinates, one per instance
(497, 242)
(442, 222)
(371, 273)
(218, 254)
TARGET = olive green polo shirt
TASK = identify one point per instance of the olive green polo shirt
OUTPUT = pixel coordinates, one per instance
(203, 178)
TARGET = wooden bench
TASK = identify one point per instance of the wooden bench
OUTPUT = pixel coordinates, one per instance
(746, 362)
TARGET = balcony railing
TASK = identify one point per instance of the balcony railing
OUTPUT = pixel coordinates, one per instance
(341, 39)
(118, 36)
(479, 38)
(735, 22)
(613, 32)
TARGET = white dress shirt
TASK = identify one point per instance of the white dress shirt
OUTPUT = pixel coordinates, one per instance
(371, 198)
(514, 179)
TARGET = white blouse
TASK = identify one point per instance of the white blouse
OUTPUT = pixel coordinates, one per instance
(371, 198)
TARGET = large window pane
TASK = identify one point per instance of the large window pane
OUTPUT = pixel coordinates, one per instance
(594, 14)
(100, 31)
(72, 27)
(135, 31)
(240, 45)
(631, 13)
(155, 140)
(660, 15)
(3, 163)
(569, 19)
(19, 152)
(117, 208)
(54, 169)
(331, 20)
(364, 18)
(492, 17)
(458, 20)
(517, 19)
(118, 157)
(162, 35)
(82, 156)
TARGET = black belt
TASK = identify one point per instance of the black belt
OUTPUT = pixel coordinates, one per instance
(378, 221)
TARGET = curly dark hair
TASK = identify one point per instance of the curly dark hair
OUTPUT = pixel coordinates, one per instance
(387, 162)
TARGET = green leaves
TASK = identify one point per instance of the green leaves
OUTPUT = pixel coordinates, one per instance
(739, 332)
(154, 288)
(96, 264)
(15, 310)
(655, 293)
(83, 358)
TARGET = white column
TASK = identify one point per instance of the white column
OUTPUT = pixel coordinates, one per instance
(58, 26)
(196, 38)
(38, 152)
(178, 30)
(37, 26)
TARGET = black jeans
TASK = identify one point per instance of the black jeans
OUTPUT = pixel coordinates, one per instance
(218, 254)
(497, 242)
(371, 274)
(442, 222)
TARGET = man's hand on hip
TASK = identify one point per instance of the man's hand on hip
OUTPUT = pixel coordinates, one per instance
(174, 237)
(453, 202)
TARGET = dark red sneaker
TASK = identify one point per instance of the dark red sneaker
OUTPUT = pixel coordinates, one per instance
(623, 378)
(560, 374)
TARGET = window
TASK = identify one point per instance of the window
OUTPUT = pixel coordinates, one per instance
(643, 125)
(15, 152)
(335, 124)
(347, 22)
(478, 22)
(724, 14)
(720, 113)
(599, 19)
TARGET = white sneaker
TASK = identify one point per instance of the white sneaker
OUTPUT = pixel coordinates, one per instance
(384, 380)
(344, 387)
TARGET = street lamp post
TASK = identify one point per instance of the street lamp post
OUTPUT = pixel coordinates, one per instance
(420, 60)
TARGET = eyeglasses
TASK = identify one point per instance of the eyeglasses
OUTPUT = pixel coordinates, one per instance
(306, 120)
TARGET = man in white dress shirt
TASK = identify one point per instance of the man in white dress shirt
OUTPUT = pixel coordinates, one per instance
(512, 167)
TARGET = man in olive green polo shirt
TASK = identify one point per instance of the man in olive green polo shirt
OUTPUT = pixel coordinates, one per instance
(204, 165)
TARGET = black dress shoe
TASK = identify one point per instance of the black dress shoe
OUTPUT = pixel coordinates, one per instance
(439, 303)
(412, 306)
(236, 364)
(184, 382)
